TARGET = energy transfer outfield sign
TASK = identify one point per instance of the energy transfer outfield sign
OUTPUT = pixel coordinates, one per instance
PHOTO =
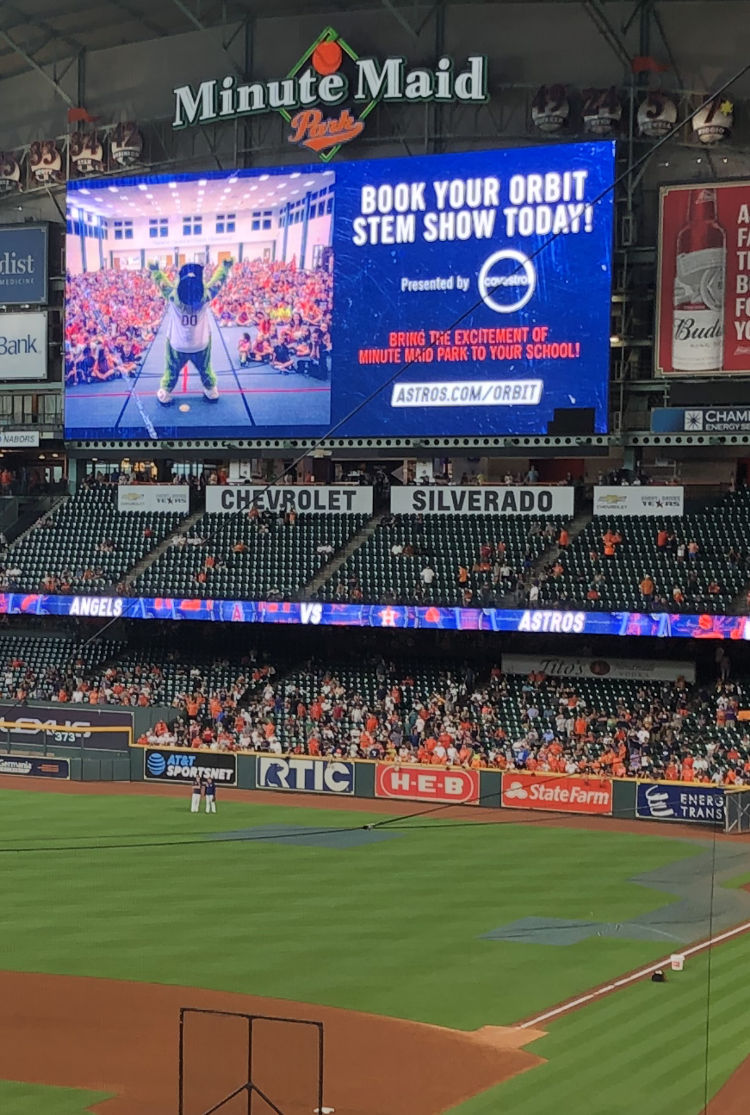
(330, 76)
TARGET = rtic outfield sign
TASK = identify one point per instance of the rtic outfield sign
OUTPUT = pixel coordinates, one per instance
(331, 75)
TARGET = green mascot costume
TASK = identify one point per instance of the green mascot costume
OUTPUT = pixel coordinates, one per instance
(188, 328)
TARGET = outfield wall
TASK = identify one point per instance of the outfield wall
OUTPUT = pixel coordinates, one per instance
(627, 799)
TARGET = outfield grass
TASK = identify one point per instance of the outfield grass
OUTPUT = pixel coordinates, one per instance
(641, 1050)
(393, 927)
(30, 1099)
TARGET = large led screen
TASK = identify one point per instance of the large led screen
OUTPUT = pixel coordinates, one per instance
(435, 296)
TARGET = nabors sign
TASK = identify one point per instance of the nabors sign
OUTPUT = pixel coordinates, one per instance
(330, 75)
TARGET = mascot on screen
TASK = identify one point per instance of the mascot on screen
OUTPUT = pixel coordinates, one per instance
(188, 329)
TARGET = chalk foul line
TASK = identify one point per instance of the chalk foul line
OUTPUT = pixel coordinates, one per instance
(608, 988)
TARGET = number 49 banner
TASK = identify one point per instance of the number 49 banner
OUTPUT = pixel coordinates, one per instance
(703, 308)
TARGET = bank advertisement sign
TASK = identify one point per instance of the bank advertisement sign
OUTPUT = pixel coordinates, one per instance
(319, 776)
(468, 294)
(165, 765)
(28, 766)
(669, 801)
(23, 346)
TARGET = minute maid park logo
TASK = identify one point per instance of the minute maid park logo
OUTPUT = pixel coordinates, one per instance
(330, 74)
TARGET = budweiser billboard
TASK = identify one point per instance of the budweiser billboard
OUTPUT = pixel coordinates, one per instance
(558, 794)
(441, 784)
(703, 303)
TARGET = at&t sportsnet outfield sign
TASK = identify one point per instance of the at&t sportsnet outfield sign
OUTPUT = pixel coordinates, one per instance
(534, 500)
(667, 801)
(321, 776)
(30, 766)
(559, 795)
(453, 786)
(183, 766)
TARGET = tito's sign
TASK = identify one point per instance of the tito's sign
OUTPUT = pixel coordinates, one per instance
(331, 75)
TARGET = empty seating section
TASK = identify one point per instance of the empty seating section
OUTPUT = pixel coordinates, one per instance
(445, 543)
(87, 545)
(617, 579)
(233, 556)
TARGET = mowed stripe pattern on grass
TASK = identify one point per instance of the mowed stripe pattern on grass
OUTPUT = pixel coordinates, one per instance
(394, 927)
(641, 1050)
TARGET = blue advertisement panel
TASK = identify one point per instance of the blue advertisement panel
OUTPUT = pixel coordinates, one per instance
(29, 766)
(700, 420)
(668, 801)
(23, 265)
(321, 776)
(534, 621)
(274, 302)
(166, 765)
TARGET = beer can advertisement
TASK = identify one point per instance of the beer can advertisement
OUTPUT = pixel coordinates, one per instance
(430, 296)
(703, 304)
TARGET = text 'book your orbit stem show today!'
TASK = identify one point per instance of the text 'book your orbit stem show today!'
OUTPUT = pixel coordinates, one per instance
(274, 303)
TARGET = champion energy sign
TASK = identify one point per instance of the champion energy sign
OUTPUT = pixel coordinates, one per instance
(559, 795)
(455, 787)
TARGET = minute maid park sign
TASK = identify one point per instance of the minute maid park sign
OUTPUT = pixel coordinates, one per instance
(331, 75)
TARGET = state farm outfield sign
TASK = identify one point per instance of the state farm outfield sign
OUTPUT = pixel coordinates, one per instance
(557, 794)
(306, 498)
(441, 784)
(484, 500)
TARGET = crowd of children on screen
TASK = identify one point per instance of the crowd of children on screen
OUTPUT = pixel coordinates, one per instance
(112, 316)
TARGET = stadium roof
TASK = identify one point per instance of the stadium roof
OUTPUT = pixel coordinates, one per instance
(44, 33)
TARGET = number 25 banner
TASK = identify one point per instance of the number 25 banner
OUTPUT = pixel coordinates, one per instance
(703, 305)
